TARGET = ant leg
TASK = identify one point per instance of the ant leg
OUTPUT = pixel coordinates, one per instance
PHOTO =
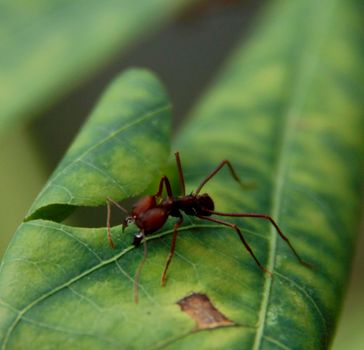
(110, 201)
(270, 219)
(171, 252)
(164, 180)
(238, 231)
(111, 243)
(180, 174)
(117, 205)
(214, 172)
(138, 270)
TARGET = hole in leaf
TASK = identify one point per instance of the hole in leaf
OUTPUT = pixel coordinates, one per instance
(97, 216)
(83, 216)
(54, 212)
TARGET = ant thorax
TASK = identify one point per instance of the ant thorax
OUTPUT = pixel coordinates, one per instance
(196, 205)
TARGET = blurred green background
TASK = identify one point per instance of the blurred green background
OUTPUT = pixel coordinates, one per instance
(185, 44)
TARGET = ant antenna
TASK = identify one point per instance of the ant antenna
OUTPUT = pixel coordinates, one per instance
(180, 174)
(117, 205)
(110, 201)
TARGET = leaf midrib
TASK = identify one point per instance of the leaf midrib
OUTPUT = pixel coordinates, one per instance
(306, 69)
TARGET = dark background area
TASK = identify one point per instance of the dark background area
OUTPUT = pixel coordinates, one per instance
(198, 41)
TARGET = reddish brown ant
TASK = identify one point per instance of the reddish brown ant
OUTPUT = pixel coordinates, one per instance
(151, 212)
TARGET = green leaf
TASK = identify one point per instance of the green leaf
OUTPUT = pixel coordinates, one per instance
(129, 129)
(49, 47)
(287, 113)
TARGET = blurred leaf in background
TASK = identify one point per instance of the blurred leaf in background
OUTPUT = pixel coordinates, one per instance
(48, 47)
(22, 175)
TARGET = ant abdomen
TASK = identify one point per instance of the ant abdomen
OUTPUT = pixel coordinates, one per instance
(205, 204)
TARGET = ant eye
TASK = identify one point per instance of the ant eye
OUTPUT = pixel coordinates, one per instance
(129, 220)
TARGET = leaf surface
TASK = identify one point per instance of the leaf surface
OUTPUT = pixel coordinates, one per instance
(129, 129)
(287, 113)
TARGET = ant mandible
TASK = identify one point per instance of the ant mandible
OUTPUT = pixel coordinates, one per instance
(151, 212)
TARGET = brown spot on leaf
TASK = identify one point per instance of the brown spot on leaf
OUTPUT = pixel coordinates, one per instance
(199, 308)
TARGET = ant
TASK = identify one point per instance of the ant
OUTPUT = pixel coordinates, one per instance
(151, 212)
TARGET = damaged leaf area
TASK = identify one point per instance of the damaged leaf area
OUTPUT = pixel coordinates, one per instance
(200, 309)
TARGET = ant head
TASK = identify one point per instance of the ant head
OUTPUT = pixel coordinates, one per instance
(138, 237)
